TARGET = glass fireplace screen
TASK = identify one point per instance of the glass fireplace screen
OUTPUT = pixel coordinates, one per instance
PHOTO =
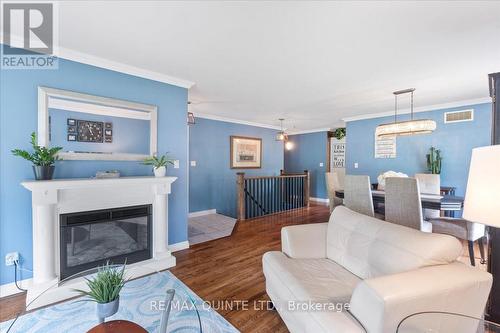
(89, 239)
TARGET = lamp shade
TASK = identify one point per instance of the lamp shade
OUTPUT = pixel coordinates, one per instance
(482, 199)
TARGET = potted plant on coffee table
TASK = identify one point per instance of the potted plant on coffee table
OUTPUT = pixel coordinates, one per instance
(43, 159)
(159, 164)
(104, 289)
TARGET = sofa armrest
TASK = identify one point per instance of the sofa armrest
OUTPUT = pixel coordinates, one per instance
(381, 303)
(304, 241)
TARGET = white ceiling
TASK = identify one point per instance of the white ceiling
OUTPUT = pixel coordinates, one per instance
(312, 63)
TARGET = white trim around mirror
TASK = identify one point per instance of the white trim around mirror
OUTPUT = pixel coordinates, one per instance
(73, 101)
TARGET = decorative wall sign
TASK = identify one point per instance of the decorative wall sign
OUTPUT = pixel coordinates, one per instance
(246, 153)
(338, 150)
(71, 137)
(71, 122)
(385, 147)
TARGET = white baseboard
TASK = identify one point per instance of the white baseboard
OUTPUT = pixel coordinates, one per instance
(179, 246)
(320, 200)
(9, 289)
(202, 212)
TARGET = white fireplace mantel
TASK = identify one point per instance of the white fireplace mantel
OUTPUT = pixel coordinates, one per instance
(60, 196)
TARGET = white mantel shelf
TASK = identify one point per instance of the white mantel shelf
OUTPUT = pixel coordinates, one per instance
(61, 184)
(50, 198)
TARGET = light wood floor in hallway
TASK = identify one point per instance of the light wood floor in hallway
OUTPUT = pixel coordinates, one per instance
(230, 268)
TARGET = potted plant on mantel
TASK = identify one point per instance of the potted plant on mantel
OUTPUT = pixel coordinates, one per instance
(43, 159)
(159, 164)
(104, 289)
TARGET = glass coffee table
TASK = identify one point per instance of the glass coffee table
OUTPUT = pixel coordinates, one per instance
(142, 303)
(444, 322)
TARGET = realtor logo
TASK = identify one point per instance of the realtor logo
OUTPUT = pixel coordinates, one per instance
(28, 36)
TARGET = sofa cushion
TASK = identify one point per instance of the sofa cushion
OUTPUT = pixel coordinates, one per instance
(369, 247)
(316, 280)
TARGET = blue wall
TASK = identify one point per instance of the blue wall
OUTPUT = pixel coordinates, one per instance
(308, 152)
(129, 135)
(212, 183)
(455, 140)
(18, 118)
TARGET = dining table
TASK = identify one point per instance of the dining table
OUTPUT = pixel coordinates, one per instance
(448, 204)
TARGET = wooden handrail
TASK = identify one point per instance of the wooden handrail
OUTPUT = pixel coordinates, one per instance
(262, 195)
(283, 176)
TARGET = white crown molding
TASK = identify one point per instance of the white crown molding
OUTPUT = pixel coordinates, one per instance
(235, 121)
(122, 68)
(434, 107)
(85, 58)
(325, 129)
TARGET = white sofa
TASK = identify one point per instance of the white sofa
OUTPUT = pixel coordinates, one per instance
(383, 271)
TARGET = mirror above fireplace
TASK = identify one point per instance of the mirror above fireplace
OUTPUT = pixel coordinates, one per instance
(90, 127)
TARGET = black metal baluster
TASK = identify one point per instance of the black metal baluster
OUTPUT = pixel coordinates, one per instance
(275, 188)
(262, 197)
(295, 192)
(253, 197)
(245, 187)
(301, 191)
(269, 196)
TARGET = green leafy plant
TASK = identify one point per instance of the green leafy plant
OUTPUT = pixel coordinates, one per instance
(105, 287)
(41, 156)
(339, 133)
(434, 160)
(158, 161)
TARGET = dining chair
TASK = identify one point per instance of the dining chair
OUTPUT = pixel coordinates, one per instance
(334, 183)
(462, 229)
(403, 205)
(429, 184)
(358, 194)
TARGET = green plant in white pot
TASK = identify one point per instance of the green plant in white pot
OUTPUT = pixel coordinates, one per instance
(104, 289)
(43, 158)
(159, 164)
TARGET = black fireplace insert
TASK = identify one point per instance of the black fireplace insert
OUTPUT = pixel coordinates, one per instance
(92, 238)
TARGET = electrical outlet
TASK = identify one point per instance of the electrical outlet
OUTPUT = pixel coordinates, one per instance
(10, 258)
(176, 164)
(321, 164)
(193, 163)
(356, 165)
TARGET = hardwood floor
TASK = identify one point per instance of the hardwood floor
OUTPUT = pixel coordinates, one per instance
(230, 269)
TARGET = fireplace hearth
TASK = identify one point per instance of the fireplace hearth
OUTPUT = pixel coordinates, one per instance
(91, 238)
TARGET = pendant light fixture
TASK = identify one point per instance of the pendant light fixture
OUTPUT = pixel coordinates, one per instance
(410, 127)
(281, 136)
(190, 116)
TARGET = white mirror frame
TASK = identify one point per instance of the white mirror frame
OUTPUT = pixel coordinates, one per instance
(73, 101)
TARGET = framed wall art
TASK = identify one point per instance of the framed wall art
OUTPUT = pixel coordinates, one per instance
(246, 153)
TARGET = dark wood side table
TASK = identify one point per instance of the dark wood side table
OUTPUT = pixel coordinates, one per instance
(117, 326)
(448, 190)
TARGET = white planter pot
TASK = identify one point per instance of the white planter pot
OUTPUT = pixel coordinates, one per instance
(104, 310)
(160, 172)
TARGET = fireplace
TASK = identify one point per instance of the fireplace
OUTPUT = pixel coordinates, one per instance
(91, 238)
(53, 200)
